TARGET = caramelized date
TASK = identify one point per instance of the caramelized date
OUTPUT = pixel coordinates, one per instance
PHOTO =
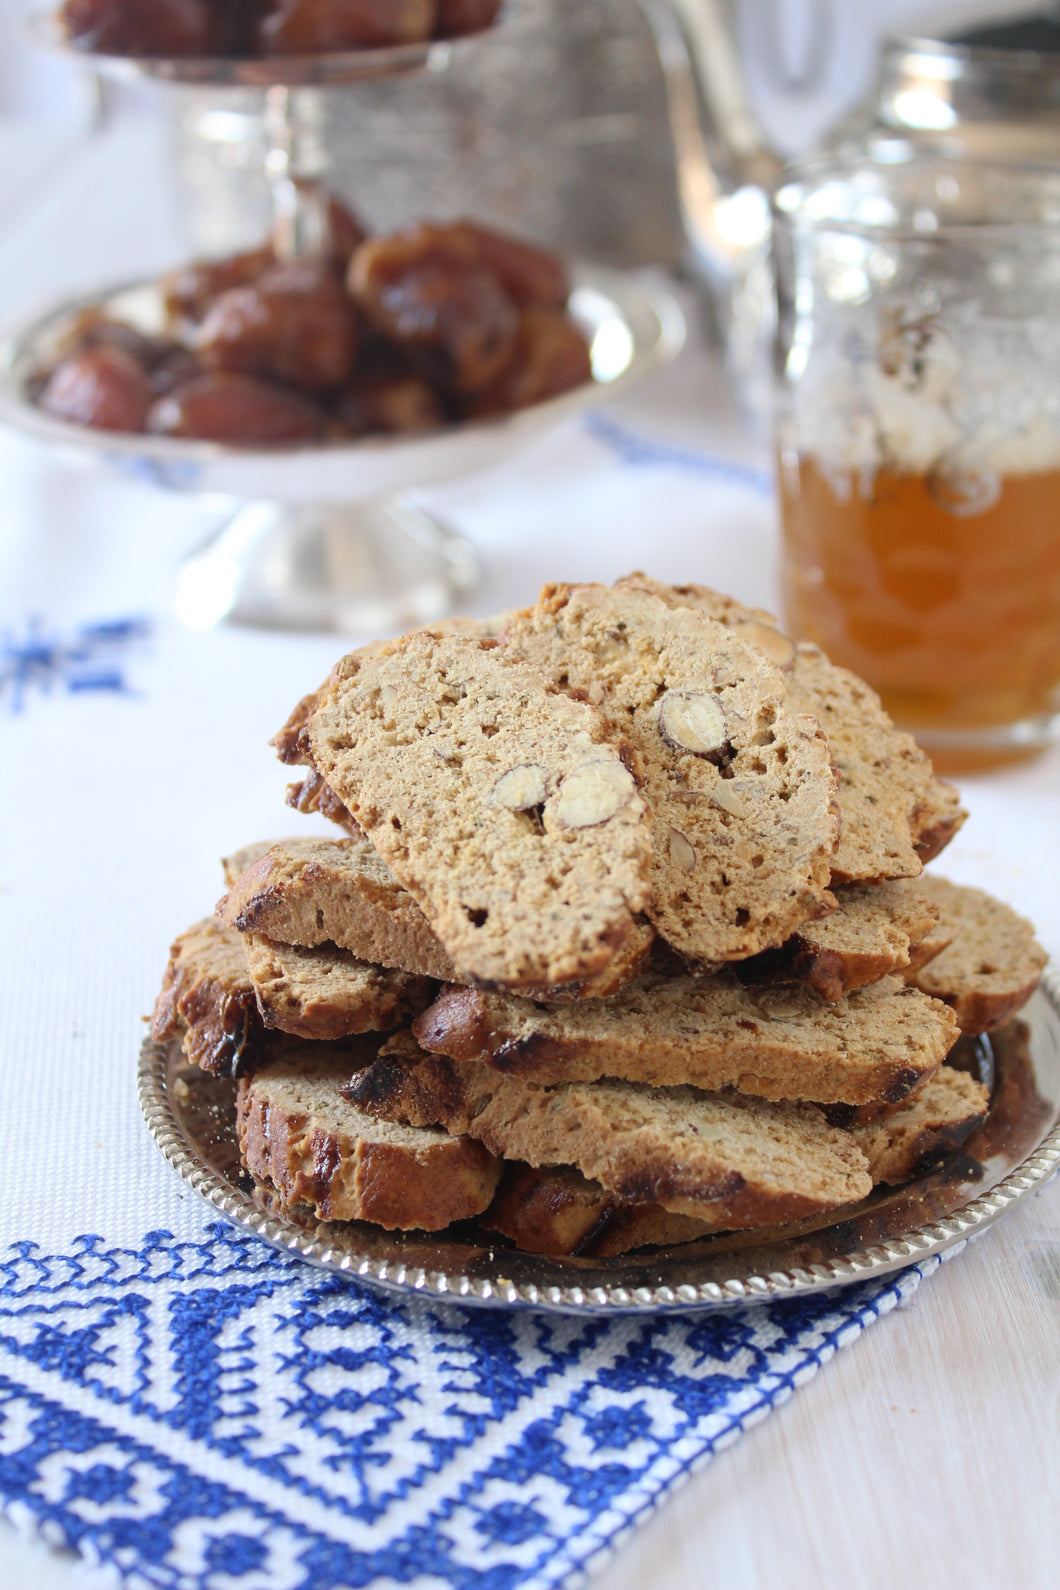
(464, 16)
(551, 356)
(387, 397)
(132, 27)
(174, 369)
(94, 329)
(426, 290)
(101, 387)
(530, 276)
(189, 291)
(305, 27)
(295, 322)
(238, 410)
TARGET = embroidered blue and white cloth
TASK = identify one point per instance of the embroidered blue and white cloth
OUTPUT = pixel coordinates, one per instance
(208, 1413)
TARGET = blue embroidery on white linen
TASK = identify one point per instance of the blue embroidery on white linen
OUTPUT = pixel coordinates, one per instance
(215, 1414)
(642, 452)
(91, 658)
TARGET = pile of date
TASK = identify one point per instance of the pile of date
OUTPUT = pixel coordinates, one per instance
(173, 28)
(388, 335)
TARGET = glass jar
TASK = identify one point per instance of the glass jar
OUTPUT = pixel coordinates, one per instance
(918, 434)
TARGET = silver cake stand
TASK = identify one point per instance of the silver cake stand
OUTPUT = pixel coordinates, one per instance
(324, 537)
(328, 537)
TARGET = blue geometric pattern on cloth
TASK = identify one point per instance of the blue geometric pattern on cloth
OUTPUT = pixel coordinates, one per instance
(215, 1415)
(641, 452)
(93, 658)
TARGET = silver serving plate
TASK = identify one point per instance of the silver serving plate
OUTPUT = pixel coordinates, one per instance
(1017, 1149)
(327, 537)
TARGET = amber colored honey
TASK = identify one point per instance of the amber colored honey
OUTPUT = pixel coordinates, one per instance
(953, 617)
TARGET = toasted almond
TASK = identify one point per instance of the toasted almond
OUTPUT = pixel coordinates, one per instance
(592, 793)
(692, 720)
(730, 800)
(521, 788)
(682, 853)
(778, 647)
(780, 1004)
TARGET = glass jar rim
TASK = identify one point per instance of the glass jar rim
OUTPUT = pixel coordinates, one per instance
(806, 180)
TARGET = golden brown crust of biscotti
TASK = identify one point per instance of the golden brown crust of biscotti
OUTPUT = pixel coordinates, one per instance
(501, 806)
(775, 1041)
(338, 891)
(876, 929)
(207, 999)
(297, 1132)
(742, 791)
(993, 963)
(942, 934)
(896, 814)
(720, 1156)
(311, 795)
(328, 993)
(947, 1110)
(234, 865)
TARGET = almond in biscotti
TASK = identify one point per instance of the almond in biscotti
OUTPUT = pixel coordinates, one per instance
(742, 790)
(436, 745)
(896, 814)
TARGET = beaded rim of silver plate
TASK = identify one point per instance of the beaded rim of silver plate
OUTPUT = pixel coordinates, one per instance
(1015, 1151)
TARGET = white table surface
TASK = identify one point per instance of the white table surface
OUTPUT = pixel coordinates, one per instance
(929, 1452)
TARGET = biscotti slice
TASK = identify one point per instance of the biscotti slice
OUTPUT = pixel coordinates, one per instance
(775, 1041)
(338, 891)
(742, 791)
(947, 1110)
(297, 1132)
(896, 815)
(237, 863)
(718, 1156)
(876, 929)
(556, 1210)
(208, 1000)
(559, 1212)
(312, 794)
(993, 964)
(501, 806)
(328, 993)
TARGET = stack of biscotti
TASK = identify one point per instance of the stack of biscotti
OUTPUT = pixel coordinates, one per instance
(625, 941)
